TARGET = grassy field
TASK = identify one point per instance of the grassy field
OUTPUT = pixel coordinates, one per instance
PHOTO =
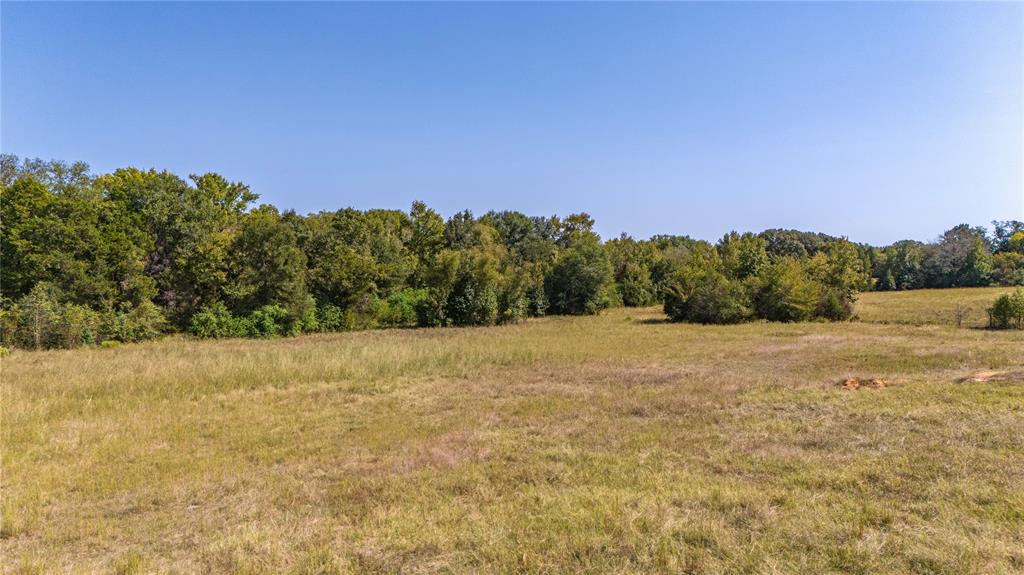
(619, 443)
(930, 306)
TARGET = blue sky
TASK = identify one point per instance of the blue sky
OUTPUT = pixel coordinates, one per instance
(877, 121)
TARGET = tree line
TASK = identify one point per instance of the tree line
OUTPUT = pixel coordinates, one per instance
(133, 254)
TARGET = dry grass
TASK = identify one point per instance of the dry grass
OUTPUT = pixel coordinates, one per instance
(930, 306)
(617, 443)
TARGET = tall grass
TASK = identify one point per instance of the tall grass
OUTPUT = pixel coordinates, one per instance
(617, 443)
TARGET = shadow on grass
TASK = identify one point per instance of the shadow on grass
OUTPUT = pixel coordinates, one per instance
(654, 320)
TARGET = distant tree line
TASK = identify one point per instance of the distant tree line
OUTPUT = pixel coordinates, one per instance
(963, 256)
(133, 254)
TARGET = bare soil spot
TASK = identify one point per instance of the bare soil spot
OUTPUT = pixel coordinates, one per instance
(445, 450)
(855, 383)
(993, 376)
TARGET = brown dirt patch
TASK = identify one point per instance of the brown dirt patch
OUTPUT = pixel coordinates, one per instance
(855, 383)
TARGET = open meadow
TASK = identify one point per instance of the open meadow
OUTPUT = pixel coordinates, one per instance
(929, 306)
(614, 443)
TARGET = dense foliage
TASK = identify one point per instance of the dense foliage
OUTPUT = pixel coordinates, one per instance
(130, 255)
(740, 280)
(963, 256)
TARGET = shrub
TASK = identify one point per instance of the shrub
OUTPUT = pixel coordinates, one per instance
(216, 321)
(472, 304)
(399, 309)
(367, 312)
(1007, 311)
(700, 292)
(142, 322)
(304, 315)
(834, 305)
(108, 343)
(704, 290)
(430, 312)
(635, 285)
(272, 321)
(513, 301)
(40, 321)
(473, 299)
(74, 326)
(706, 296)
(330, 317)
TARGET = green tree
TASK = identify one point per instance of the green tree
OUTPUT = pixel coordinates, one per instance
(191, 229)
(581, 281)
(787, 292)
(458, 230)
(794, 243)
(73, 239)
(439, 280)
(742, 255)
(961, 258)
(632, 262)
(267, 267)
(577, 228)
(1007, 236)
(341, 267)
(700, 292)
(899, 266)
(428, 233)
(1008, 268)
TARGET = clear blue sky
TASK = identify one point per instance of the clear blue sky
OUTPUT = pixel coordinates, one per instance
(877, 121)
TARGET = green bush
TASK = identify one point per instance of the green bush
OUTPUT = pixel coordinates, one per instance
(472, 304)
(304, 315)
(216, 321)
(139, 323)
(368, 312)
(834, 305)
(40, 321)
(513, 300)
(272, 321)
(399, 309)
(635, 285)
(706, 296)
(430, 312)
(74, 326)
(331, 318)
(705, 290)
(1007, 311)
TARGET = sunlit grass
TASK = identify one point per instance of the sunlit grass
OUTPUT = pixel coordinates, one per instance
(616, 443)
(939, 306)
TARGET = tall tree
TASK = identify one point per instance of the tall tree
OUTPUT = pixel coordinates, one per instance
(961, 258)
(266, 265)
